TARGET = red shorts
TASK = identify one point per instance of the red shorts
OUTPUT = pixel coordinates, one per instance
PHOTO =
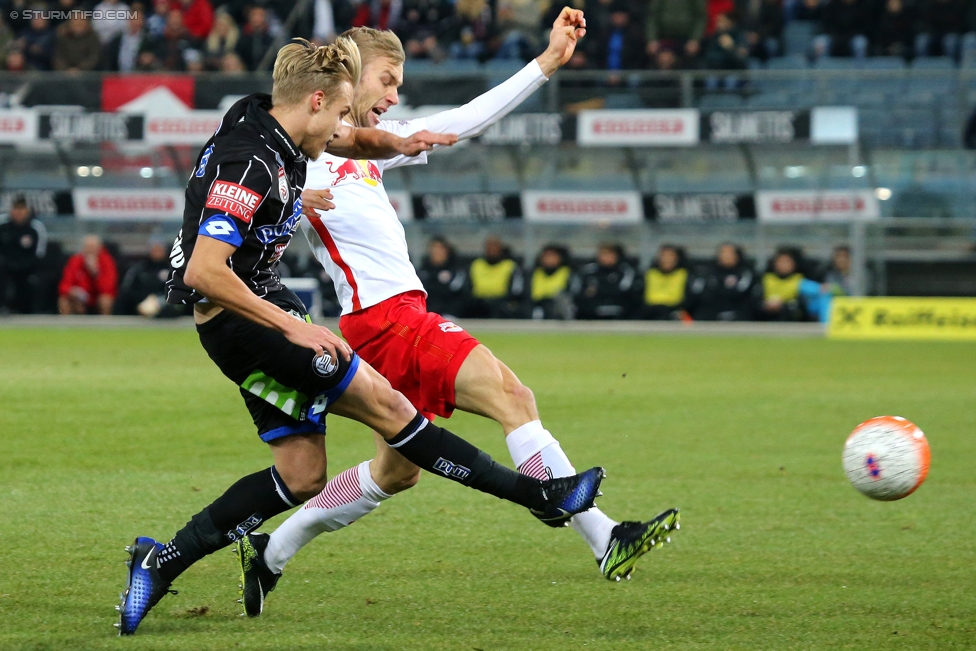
(418, 351)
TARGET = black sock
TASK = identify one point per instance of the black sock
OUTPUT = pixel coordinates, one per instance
(245, 505)
(439, 451)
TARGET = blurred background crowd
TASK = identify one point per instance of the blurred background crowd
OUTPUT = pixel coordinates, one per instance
(236, 35)
(36, 276)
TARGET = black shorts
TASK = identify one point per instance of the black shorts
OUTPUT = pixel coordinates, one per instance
(287, 389)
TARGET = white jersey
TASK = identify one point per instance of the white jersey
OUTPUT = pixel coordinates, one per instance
(361, 243)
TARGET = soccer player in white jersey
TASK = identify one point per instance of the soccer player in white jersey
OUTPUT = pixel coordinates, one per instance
(436, 364)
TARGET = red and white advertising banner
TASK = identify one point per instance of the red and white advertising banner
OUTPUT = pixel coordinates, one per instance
(816, 205)
(18, 126)
(402, 204)
(643, 128)
(583, 207)
(128, 205)
(190, 128)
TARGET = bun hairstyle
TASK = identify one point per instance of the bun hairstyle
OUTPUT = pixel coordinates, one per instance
(302, 68)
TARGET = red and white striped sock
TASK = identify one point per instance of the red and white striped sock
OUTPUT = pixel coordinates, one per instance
(537, 454)
(347, 497)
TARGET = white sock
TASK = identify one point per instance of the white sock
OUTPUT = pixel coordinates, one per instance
(537, 454)
(347, 497)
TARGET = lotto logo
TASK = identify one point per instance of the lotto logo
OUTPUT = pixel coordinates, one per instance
(219, 227)
(449, 469)
(234, 199)
(450, 326)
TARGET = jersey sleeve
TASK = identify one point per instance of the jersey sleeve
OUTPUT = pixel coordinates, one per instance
(235, 192)
(403, 128)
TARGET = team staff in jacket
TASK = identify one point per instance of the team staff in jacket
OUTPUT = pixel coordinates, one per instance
(23, 244)
(550, 284)
(444, 278)
(781, 289)
(606, 289)
(497, 282)
(729, 290)
(665, 285)
(243, 205)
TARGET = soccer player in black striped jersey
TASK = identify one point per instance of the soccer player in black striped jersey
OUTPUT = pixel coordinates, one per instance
(243, 204)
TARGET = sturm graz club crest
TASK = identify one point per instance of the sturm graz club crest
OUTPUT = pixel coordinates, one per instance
(324, 365)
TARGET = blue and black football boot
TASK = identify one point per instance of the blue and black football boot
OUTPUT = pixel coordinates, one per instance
(567, 496)
(145, 587)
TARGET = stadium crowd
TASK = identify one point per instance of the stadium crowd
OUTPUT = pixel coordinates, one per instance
(234, 35)
(36, 277)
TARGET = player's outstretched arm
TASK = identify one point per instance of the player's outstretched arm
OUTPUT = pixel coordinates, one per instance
(377, 144)
(208, 273)
(568, 28)
(476, 116)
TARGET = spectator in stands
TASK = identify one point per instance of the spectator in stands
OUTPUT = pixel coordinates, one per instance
(896, 29)
(838, 276)
(551, 280)
(90, 281)
(764, 29)
(170, 48)
(423, 23)
(471, 29)
(781, 299)
(198, 16)
(64, 9)
(666, 286)
(6, 37)
(378, 14)
(222, 39)
(844, 28)
(107, 28)
(497, 283)
(517, 22)
(156, 23)
(803, 10)
(444, 278)
(728, 291)
(255, 38)
(232, 64)
(77, 46)
(122, 53)
(15, 61)
(23, 242)
(605, 289)
(714, 9)
(37, 41)
(18, 23)
(726, 48)
(677, 25)
(143, 287)
(942, 23)
(619, 45)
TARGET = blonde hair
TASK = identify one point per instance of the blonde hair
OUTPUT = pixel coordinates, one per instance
(373, 43)
(302, 68)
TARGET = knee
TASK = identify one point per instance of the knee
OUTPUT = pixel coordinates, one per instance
(392, 405)
(306, 484)
(517, 394)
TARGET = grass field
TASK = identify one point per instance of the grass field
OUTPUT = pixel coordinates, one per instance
(109, 434)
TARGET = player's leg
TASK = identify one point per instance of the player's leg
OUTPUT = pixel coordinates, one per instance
(347, 497)
(486, 386)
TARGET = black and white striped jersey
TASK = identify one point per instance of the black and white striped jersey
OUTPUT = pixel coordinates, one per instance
(245, 190)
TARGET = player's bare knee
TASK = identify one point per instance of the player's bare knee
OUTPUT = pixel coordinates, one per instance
(306, 484)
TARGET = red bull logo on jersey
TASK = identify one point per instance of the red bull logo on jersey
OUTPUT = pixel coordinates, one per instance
(356, 170)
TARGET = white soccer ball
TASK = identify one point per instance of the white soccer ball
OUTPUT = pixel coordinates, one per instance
(886, 458)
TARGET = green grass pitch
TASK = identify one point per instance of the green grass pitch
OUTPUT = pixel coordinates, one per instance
(108, 434)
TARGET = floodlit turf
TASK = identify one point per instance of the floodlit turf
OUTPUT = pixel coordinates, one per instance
(108, 434)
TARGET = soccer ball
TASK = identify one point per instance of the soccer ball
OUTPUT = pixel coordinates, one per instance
(886, 458)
